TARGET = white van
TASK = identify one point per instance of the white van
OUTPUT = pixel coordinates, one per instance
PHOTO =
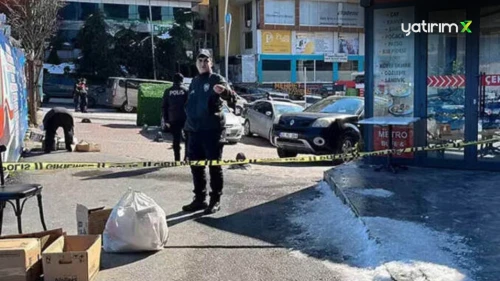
(122, 93)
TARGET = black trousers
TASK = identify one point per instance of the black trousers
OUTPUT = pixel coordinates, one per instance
(176, 130)
(83, 102)
(50, 135)
(205, 145)
(76, 100)
(59, 120)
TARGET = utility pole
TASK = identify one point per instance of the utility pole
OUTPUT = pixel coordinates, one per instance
(227, 31)
(152, 39)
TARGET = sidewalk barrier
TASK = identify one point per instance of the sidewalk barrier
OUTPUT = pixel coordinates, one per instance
(33, 166)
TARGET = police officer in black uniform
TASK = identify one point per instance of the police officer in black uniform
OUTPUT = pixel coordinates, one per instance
(55, 118)
(174, 114)
(205, 127)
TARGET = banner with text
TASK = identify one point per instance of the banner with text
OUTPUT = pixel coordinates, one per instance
(276, 41)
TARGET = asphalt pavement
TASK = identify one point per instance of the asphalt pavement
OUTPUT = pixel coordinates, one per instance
(251, 237)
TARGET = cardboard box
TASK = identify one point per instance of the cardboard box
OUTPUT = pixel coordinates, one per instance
(19, 259)
(44, 238)
(91, 221)
(75, 258)
(88, 147)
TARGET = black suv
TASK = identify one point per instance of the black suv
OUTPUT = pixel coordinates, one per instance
(326, 127)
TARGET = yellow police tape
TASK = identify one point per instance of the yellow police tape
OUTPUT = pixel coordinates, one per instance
(31, 166)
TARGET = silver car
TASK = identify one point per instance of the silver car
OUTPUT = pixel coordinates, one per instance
(234, 129)
(260, 116)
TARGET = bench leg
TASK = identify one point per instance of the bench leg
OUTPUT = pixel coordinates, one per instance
(40, 208)
(2, 206)
(19, 212)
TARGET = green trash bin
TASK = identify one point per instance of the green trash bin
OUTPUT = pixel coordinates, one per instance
(149, 103)
(351, 92)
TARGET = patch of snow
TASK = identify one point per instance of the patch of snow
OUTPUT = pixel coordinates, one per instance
(405, 250)
(374, 192)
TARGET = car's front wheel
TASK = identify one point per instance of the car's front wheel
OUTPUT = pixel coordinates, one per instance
(127, 108)
(282, 153)
(246, 128)
(347, 143)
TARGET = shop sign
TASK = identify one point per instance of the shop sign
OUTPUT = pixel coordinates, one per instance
(402, 137)
(276, 41)
(491, 80)
(335, 57)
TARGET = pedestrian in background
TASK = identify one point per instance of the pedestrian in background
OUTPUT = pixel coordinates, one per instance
(81, 91)
(205, 126)
(174, 114)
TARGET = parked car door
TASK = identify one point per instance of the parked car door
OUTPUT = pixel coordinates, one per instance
(267, 122)
(252, 116)
(262, 118)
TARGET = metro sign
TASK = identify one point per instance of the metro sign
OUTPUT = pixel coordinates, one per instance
(491, 80)
(446, 81)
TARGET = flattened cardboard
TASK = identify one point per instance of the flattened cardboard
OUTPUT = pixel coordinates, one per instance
(19, 259)
(91, 221)
(75, 258)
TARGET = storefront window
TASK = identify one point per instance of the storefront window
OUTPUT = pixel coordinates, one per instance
(324, 71)
(305, 71)
(315, 71)
(346, 69)
(446, 102)
(276, 70)
(394, 61)
(393, 74)
(489, 95)
(279, 12)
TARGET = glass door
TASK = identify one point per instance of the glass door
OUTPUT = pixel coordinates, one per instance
(489, 84)
(446, 95)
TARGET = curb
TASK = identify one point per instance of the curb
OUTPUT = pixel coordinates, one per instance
(343, 197)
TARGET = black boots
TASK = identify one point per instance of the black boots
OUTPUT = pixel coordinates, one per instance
(194, 206)
(213, 207)
(197, 205)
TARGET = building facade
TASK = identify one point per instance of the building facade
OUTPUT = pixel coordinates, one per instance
(439, 63)
(292, 41)
(134, 14)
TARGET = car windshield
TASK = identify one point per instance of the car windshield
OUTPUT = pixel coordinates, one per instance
(286, 108)
(343, 105)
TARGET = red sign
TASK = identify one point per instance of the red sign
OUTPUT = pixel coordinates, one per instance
(491, 80)
(446, 81)
(402, 137)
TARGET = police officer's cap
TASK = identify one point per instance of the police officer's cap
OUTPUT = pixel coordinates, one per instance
(204, 53)
(178, 78)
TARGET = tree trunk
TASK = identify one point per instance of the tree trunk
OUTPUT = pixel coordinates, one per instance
(32, 100)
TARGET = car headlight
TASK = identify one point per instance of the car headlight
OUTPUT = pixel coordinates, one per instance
(321, 123)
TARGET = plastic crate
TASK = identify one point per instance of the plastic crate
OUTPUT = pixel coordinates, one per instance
(149, 103)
